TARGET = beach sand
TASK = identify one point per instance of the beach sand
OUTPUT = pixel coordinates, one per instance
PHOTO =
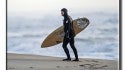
(37, 62)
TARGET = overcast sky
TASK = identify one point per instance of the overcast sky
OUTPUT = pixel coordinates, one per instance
(51, 5)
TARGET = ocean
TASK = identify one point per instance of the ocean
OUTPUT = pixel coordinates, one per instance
(100, 40)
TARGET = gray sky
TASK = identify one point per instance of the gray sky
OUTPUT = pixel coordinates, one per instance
(51, 5)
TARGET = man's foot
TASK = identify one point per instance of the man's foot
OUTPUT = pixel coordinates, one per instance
(76, 60)
(68, 59)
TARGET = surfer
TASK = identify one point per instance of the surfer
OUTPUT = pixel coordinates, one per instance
(69, 35)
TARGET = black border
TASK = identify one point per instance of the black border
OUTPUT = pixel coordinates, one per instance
(120, 33)
(6, 32)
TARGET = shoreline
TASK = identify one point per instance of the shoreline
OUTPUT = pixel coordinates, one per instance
(38, 62)
(116, 59)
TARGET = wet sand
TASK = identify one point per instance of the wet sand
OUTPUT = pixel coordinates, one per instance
(37, 62)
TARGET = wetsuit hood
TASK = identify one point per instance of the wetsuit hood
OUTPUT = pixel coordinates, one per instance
(65, 12)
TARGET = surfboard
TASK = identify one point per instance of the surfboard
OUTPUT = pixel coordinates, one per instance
(56, 37)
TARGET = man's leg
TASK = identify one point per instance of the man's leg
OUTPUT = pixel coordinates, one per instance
(65, 42)
(74, 49)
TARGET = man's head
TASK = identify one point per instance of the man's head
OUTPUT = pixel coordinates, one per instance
(64, 12)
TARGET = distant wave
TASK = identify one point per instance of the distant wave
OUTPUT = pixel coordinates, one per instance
(26, 35)
(96, 39)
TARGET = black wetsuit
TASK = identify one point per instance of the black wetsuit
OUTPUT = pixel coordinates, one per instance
(69, 36)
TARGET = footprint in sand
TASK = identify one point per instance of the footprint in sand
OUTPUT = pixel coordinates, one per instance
(58, 66)
(93, 66)
(102, 67)
(31, 67)
(92, 61)
(12, 68)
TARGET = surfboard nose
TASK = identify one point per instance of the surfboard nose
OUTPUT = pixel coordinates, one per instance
(43, 46)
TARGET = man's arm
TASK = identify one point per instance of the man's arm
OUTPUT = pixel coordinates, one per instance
(68, 27)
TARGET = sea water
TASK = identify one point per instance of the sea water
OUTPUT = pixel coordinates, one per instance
(99, 40)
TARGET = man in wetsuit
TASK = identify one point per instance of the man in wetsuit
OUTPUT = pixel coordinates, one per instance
(69, 35)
